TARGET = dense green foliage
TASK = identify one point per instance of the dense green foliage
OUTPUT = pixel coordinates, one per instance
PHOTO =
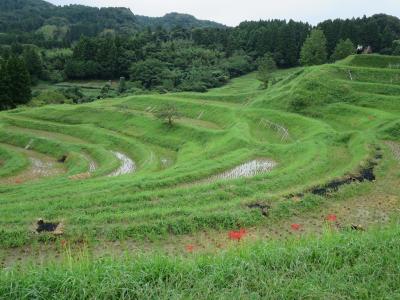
(377, 31)
(50, 97)
(396, 47)
(33, 63)
(15, 83)
(152, 62)
(267, 67)
(47, 25)
(343, 49)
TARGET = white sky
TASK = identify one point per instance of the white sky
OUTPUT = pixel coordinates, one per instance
(232, 12)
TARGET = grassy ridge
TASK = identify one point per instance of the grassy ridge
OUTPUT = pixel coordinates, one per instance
(11, 162)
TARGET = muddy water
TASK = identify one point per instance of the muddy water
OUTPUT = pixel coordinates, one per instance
(127, 165)
(248, 169)
(40, 166)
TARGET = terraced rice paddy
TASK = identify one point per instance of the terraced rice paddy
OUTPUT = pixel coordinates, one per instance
(248, 169)
(127, 165)
(111, 171)
(39, 166)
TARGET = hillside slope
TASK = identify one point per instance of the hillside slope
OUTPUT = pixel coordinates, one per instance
(314, 126)
(317, 153)
(31, 15)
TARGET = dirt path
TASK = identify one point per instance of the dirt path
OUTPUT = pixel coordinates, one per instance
(40, 166)
(127, 165)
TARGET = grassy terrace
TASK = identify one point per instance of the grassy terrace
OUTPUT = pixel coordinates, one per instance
(318, 124)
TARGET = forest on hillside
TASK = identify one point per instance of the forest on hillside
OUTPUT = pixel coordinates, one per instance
(174, 53)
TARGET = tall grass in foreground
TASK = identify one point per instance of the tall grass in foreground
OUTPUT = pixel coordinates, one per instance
(349, 265)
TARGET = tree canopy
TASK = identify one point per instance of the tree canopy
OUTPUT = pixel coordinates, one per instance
(15, 86)
(314, 50)
(343, 49)
(168, 113)
(266, 69)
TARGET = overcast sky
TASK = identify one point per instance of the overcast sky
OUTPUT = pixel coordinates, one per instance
(232, 12)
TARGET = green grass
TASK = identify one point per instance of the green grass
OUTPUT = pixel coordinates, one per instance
(336, 125)
(11, 162)
(345, 266)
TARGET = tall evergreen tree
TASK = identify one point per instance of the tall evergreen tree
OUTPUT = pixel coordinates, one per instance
(33, 63)
(18, 81)
(266, 69)
(314, 49)
(5, 100)
(343, 49)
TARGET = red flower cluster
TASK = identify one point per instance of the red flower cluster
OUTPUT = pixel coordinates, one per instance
(237, 235)
(190, 248)
(18, 181)
(63, 243)
(331, 218)
(295, 227)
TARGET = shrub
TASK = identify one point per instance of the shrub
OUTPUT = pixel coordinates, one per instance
(50, 97)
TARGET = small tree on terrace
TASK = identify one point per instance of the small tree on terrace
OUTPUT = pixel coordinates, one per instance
(168, 113)
(267, 67)
(314, 49)
(343, 49)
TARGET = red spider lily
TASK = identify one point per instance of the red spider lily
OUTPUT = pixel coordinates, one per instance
(190, 248)
(18, 181)
(331, 218)
(295, 227)
(237, 235)
(63, 243)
